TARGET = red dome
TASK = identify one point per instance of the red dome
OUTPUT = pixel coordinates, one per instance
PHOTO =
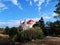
(30, 21)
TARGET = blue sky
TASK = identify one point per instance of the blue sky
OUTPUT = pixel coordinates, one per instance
(12, 11)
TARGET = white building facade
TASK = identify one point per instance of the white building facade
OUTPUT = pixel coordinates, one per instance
(26, 24)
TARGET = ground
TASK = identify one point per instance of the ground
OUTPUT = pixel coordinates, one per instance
(47, 41)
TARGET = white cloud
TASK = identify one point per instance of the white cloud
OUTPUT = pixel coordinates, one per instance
(30, 3)
(15, 2)
(47, 2)
(12, 23)
(16, 23)
(40, 2)
(20, 7)
(46, 17)
(35, 1)
(35, 19)
(3, 7)
(54, 14)
(39, 8)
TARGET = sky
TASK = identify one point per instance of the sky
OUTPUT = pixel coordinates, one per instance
(12, 11)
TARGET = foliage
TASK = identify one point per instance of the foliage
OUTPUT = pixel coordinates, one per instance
(57, 11)
(1, 30)
(29, 34)
(58, 8)
(12, 31)
(6, 31)
(54, 28)
(41, 25)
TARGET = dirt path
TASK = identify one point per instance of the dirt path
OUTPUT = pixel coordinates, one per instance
(52, 40)
(47, 41)
(49, 38)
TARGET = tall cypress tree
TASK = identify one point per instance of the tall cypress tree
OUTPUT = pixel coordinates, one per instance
(41, 23)
(42, 26)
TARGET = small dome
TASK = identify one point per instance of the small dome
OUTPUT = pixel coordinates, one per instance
(30, 21)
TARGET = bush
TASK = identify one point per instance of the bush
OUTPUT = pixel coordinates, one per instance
(6, 31)
(12, 32)
(29, 34)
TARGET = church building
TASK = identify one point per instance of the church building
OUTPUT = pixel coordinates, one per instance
(26, 24)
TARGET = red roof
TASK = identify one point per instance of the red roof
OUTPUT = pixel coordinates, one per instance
(30, 21)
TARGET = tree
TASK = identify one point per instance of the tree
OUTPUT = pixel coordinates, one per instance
(57, 23)
(6, 30)
(50, 28)
(36, 24)
(57, 11)
(13, 32)
(42, 26)
(41, 23)
(57, 27)
(54, 28)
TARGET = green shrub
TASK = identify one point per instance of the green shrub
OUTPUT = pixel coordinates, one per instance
(6, 31)
(29, 34)
(12, 32)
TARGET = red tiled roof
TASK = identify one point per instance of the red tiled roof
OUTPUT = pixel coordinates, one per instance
(30, 21)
